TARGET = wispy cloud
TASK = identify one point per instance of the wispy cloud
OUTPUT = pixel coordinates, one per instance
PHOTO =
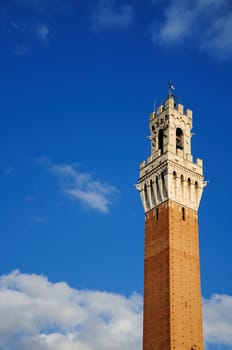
(30, 198)
(43, 32)
(39, 315)
(39, 219)
(28, 32)
(107, 15)
(21, 50)
(83, 188)
(205, 25)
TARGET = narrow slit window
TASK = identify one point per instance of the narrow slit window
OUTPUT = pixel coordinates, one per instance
(183, 214)
(157, 214)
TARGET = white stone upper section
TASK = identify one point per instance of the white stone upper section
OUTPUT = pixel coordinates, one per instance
(170, 172)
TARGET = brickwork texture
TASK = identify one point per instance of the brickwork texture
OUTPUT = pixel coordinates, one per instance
(172, 292)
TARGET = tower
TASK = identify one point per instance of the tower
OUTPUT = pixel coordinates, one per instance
(171, 186)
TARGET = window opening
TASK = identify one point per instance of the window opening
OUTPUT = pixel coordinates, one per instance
(196, 191)
(146, 197)
(189, 187)
(152, 192)
(179, 139)
(164, 185)
(161, 140)
(183, 214)
(158, 189)
(157, 214)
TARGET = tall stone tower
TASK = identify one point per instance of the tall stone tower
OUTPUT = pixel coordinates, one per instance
(171, 186)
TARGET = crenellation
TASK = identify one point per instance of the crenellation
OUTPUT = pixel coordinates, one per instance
(152, 116)
(180, 108)
(199, 162)
(160, 109)
(188, 113)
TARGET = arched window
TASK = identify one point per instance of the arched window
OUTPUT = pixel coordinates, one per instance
(189, 188)
(196, 191)
(165, 193)
(158, 189)
(152, 192)
(174, 181)
(179, 139)
(161, 140)
(182, 184)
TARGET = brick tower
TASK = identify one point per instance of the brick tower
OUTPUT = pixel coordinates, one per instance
(171, 186)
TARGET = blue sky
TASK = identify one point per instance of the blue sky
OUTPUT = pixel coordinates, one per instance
(78, 81)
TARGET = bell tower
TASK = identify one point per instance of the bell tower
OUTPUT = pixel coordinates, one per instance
(171, 186)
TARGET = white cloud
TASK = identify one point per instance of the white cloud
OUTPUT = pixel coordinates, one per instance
(80, 186)
(107, 16)
(39, 315)
(39, 219)
(202, 24)
(43, 32)
(217, 313)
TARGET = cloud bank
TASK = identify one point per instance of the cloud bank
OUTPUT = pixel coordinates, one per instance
(217, 313)
(40, 315)
(202, 24)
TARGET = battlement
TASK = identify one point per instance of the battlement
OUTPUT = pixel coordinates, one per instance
(170, 103)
